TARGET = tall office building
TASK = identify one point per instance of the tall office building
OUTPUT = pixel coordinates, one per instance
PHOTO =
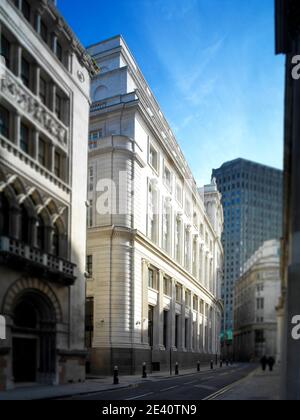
(252, 203)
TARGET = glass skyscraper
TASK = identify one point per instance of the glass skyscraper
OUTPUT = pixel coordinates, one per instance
(252, 202)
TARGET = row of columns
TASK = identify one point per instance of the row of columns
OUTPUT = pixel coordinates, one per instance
(199, 262)
(197, 337)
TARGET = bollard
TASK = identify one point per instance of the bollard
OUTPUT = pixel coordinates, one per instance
(221, 363)
(212, 365)
(227, 363)
(144, 371)
(198, 367)
(176, 369)
(116, 375)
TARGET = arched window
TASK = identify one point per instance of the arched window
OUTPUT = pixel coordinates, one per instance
(4, 215)
(25, 225)
(55, 241)
(40, 233)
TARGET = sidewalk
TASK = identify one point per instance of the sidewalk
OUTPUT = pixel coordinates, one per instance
(258, 385)
(92, 385)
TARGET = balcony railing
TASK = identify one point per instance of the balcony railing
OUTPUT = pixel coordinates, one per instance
(23, 257)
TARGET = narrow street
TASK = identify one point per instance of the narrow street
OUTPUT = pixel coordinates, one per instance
(197, 386)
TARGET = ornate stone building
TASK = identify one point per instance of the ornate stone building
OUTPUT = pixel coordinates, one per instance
(154, 252)
(255, 299)
(44, 111)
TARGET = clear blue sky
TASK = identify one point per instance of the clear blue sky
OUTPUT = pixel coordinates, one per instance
(211, 65)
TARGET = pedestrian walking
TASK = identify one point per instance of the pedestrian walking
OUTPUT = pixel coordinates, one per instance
(264, 362)
(271, 363)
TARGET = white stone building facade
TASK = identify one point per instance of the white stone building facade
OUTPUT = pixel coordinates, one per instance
(256, 297)
(44, 116)
(154, 252)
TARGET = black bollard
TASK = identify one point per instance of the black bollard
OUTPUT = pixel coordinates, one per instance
(212, 365)
(176, 369)
(198, 367)
(144, 371)
(221, 363)
(116, 375)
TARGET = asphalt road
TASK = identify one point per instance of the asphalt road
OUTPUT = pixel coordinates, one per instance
(195, 387)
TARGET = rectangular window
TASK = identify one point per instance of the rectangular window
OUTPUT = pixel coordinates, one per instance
(24, 138)
(59, 51)
(91, 179)
(176, 331)
(90, 214)
(151, 279)
(167, 178)
(4, 122)
(166, 318)
(153, 158)
(150, 325)
(44, 32)
(89, 322)
(25, 72)
(5, 50)
(42, 152)
(58, 107)
(43, 91)
(89, 265)
(26, 10)
(186, 333)
(178, 294)
(57, 164)
(167, 286)
(179, 193)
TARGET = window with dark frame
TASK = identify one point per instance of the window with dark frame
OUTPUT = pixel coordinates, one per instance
(57, 164)
(44, 32)
(6, 50)
(25, 72)
(89, 321)
(150, 325)
(24, 138)
(59, 51)
(89, 265)
(42, 152)
(43, 91)
(26, 10)
(166, 319)
(4, 122)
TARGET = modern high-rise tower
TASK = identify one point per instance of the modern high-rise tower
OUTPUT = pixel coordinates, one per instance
(252, 202)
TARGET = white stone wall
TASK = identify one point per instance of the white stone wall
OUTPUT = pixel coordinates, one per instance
(120, 244)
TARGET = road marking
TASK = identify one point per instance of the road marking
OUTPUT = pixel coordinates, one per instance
(210, 377)
(169, 389)
(207, 387)
(225, 374)
(139, 396)
(189, 383)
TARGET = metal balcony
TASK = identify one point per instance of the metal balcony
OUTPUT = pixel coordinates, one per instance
(22, 257)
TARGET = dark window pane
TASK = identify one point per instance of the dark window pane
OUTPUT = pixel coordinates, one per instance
(59, 52)
(26, 9)
(4, 122)
(24, 138)
(43, 90)
(42, 153)
(44, 32)
(5, 50)
(57, 165)
(25, 72)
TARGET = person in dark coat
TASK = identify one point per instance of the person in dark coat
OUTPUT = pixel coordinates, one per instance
(264, 362)
(271, 363)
